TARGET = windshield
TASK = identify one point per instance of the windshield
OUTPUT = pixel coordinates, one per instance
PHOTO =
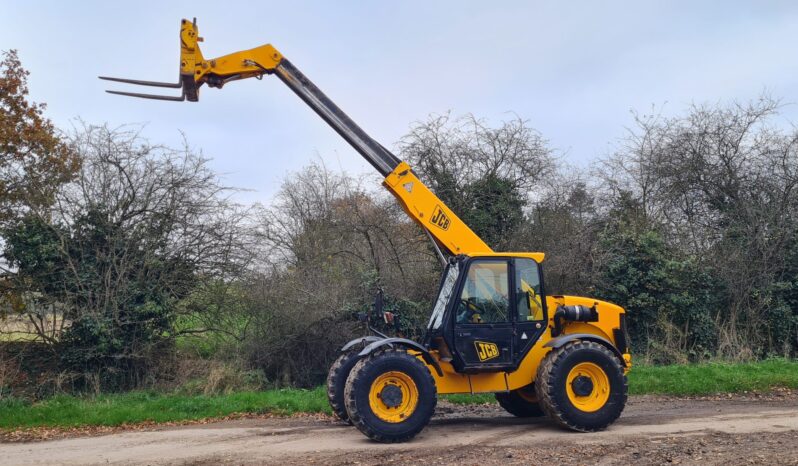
(436, 319)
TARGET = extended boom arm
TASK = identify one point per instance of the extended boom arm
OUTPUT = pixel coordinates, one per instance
(424, 207)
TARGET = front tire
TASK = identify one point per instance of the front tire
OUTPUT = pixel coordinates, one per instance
(390, 396)
(521, 403)
(581, 386)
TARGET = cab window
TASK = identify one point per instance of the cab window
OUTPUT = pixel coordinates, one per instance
(485, 297)
(527, 281)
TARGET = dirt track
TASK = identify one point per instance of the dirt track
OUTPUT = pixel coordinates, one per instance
(739, 430)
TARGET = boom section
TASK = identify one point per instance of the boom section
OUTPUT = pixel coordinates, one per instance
(379, 157)
(417, 200)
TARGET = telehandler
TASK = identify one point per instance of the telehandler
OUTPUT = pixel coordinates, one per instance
(492, 329)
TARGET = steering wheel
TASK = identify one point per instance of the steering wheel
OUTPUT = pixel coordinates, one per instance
(471, 309)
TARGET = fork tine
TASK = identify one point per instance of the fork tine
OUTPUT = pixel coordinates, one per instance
(142, 83)
(150, 96)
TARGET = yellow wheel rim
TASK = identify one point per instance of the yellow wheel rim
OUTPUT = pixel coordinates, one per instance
(592, 388)
(393, 396)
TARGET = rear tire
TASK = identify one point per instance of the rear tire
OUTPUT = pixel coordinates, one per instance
(390, 396)
(521, 403)
(581, 386)
(336, 383)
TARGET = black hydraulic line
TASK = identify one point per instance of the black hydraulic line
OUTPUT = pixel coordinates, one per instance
(379, 157)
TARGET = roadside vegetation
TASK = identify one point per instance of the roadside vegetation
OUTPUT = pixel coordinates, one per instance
(712, 378)
(141, 406)
(147, 406)
(131, 278)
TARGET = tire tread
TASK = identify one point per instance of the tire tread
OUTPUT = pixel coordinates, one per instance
(355, 378)
(335, 377)
(551, 364)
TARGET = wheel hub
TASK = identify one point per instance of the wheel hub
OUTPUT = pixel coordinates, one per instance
(391, 396)
(582, 385)
(588, 387)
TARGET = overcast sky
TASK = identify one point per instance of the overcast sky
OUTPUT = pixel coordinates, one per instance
(574, 70)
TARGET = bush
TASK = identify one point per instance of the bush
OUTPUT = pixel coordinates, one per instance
(669, 301)
(136, 232)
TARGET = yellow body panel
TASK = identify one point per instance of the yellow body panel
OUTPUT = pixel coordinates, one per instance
(453, 382)
(237, 65)
(190, 54)
(266, 56)
(536, 256)
(426, 209)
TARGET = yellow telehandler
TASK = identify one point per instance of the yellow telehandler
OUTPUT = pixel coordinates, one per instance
(492, 329)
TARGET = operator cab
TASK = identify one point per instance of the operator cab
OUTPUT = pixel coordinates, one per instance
(489, 313)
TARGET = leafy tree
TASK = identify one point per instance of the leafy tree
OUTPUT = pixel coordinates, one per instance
(34, 160)
(669, 301)
(494, 209)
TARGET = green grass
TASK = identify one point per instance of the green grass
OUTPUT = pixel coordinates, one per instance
(470, 399)
(111, 410)
(706, 379)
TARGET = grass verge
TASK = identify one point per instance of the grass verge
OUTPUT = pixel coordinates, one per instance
(711, 378)
(134, 407)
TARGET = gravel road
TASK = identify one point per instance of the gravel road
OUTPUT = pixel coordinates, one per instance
(652, 430)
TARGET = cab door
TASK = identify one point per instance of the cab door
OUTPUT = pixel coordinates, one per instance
(530, 306)
(483, 317)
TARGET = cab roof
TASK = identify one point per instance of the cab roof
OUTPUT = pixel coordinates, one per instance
(536, 256)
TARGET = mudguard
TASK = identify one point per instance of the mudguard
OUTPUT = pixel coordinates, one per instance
(357, 341)
(407, 344)
(563, 339)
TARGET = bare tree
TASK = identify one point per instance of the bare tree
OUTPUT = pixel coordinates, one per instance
(330, 244)
(452, 152)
